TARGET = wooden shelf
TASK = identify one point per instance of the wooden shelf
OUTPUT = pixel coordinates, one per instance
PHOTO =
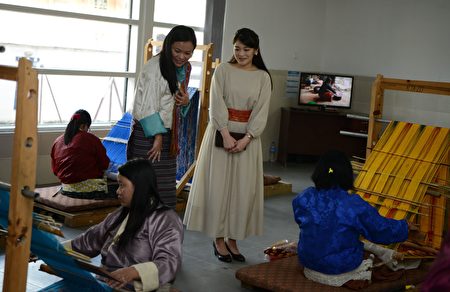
(313, 133)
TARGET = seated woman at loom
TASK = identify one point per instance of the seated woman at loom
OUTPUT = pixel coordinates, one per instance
(79, 160)
(331, 221)
(140, 243)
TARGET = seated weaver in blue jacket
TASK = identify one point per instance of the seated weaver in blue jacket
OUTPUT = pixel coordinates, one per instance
(332, 220)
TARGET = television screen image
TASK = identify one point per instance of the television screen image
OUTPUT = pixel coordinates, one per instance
(326, 90)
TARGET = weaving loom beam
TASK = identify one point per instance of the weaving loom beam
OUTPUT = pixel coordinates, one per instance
(377, 99)
(23, 175)
(392, 160)
(434, 189)
(437, 223)
(399, 185)
(371, 161)
(384, 195)
(425, 169)
(375, 162)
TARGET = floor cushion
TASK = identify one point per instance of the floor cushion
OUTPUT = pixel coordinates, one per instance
(286, 275)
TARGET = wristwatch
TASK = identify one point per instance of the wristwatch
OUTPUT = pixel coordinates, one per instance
(249, 136)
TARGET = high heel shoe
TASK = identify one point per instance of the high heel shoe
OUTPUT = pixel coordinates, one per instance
(223, 258)
(237, 257)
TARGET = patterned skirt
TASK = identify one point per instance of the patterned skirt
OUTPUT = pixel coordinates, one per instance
(91, 189)
(165, 169)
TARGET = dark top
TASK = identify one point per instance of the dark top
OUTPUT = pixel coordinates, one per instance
(325, 88)
(84, 158)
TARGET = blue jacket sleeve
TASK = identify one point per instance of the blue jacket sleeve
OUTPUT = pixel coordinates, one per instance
(379, 229)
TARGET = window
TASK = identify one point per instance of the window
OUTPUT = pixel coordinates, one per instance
(169, 13)
(87, 52)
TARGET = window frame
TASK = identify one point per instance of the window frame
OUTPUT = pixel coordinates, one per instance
(144, 24)
(139, 23)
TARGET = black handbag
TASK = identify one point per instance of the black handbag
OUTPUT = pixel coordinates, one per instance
(219, 138)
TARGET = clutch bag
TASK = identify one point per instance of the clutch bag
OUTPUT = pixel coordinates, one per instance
(219, 138)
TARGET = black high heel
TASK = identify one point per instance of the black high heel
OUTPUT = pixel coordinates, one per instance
(237, 257)
(223, 258)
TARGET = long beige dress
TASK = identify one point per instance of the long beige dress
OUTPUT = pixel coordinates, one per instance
(227, 193)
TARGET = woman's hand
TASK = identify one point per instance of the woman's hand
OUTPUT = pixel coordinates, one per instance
(414, 233)
(122, 276)
(154, 154)
(228, 141)
(240, 145)
(181, 98)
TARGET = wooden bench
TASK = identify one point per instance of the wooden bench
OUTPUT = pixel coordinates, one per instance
(280, 188)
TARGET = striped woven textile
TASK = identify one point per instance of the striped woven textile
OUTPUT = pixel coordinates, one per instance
(165, 169)
(187, 133)
(116, 142)
(406, 175)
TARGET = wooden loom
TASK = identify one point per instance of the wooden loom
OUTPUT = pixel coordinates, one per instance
(406, 173)
(27, 229)
(208, 65)
(23, 175)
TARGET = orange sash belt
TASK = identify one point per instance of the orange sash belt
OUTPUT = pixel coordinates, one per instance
(238, 115)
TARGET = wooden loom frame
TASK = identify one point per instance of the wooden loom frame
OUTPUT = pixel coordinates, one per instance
(23, 175)
(439, 201)
(377, 97)
(208, 65)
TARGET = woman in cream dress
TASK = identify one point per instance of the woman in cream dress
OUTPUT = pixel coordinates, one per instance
(226, 197)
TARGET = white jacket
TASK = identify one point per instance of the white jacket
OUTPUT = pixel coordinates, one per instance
(152, 94)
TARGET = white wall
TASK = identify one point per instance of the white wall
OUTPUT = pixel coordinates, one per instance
(289, 31)
(406, 39)
(403, 38)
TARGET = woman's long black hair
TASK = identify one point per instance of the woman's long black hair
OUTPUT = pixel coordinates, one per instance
(333, 170)
(179, 33)
(249, 38)
(79, 118)
(145, 198)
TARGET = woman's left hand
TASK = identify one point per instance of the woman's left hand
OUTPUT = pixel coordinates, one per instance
(240, 145)
(154, 154)
(414, 233)
(181, 98)
(123, 276)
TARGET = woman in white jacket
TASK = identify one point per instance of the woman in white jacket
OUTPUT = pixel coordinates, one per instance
(162, 91)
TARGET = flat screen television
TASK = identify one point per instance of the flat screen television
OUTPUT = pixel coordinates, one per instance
(325, 90)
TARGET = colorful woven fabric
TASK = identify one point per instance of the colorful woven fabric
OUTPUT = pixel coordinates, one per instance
(86, 186)
(187, 134)
(116, 142)
(165, 168)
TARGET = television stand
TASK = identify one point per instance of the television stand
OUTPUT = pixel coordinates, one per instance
(313, 133)
(328, 109)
